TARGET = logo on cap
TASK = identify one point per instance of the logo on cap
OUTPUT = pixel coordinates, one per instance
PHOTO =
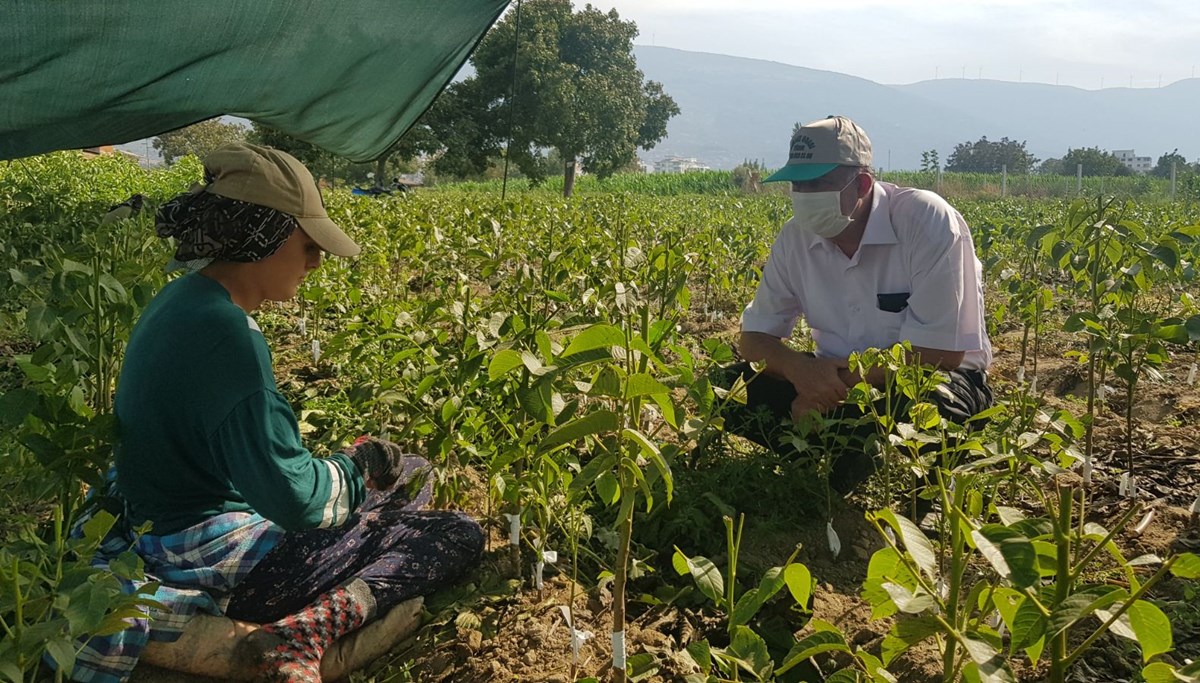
(800, 148)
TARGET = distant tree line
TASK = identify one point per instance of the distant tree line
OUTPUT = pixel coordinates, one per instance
(991, 156)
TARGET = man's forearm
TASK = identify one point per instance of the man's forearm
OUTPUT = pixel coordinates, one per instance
(758, 346)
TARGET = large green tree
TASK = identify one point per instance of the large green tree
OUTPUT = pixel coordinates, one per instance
(1095, 161)
(198, 139)
(987, 156)
(1163, 168)
(575, 89)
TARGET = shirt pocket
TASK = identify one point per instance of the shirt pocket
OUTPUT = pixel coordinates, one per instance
(885, 328)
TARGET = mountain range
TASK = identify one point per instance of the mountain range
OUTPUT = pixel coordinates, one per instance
(734, 109)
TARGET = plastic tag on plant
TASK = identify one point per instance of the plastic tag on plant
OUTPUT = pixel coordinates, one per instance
(1087, 470)
(1021, 375)
(538, 567)
(303, 326)
(1123, 487)
(1192, 375)
(1145, 523)
(1033, 385)
(514, 528)
(1196, 506)
(316, 350)
(618, 649)
(835, 543)
(578, 636)
(1100, 393)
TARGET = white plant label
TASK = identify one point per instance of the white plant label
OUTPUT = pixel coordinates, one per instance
(1123, 487)
(1033, 385)
(835, 543)
(1087, 471)
(1196, 506)
(1192, 375)
(1145, 523)
(618, 648)
(1100, 393)
(538, 568)
(578, 636)
(514, 528)
(303, 326)
(549, 556)
(316, 350)
(1021, 375)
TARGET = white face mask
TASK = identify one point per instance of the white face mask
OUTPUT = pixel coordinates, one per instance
(821, 212)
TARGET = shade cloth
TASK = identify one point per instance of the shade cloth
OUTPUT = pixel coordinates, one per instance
(349, 76)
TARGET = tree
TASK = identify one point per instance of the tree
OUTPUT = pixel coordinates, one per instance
(986, 156)
(577, 90)
(198, 139)
(1051, 166)
(1096, 162)
(324, 164)
(1163, 168)
(930, 162)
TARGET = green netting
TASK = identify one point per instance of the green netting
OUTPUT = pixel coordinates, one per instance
(349, 76)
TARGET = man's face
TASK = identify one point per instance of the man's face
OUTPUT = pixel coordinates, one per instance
(280, 274)
(844, 180)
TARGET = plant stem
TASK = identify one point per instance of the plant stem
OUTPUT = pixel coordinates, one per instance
(1062, 584)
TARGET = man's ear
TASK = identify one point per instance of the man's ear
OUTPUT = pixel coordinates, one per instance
(865, 183)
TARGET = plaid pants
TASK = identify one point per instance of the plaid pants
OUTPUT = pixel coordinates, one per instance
(398, 549)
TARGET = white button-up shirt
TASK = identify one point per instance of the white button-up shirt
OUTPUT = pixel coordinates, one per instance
(914, 243)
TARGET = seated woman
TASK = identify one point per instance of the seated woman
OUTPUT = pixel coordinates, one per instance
(245, 521)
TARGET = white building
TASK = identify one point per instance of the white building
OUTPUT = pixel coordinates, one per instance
(678, 165)
(1134, 162)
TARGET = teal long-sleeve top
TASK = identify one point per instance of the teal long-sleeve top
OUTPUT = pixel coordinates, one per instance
(205, 431)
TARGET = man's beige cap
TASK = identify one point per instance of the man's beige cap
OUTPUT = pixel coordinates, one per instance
(277, 180)
(821, 146)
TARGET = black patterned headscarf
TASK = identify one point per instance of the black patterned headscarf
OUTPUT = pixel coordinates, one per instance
(208, 227)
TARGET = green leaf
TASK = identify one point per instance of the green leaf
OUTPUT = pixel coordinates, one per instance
(906, 601)
(1028, 629)
(706, 575)
(753, 600)
(905, 633)
(1152, 628)
(595, 337)
(1081, 604)
(63, 654)
(1009, 552)
(651, 452)
(991, 665)
(593, 423)
(608, 488)
(15, 405)
(1187, 566)
(642, 384)
(812, 645)
(503, 362)
(749, 647)
(914, 540)
(800, 584)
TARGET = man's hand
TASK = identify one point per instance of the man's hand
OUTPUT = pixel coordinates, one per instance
(818, 385)
(380, 461)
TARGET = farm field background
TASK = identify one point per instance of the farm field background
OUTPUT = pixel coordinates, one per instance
(551, 358)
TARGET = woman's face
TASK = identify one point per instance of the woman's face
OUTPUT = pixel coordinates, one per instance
(280, 274)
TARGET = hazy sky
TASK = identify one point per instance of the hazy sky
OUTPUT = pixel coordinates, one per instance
(1077, 42)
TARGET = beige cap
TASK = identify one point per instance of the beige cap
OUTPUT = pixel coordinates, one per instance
(821, 146)
(277, 180)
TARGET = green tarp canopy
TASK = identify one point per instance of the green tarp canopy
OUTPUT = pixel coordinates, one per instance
(350, 76)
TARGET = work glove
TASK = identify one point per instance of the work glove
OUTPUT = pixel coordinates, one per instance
(380, 461)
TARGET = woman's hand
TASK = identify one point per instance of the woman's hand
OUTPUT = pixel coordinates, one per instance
(380, 461)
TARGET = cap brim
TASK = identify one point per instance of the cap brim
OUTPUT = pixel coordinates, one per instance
(800, 172)
(329, 236)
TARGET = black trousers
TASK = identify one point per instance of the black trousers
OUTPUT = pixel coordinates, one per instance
(766, 419)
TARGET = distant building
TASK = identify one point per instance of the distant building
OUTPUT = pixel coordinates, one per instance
(97, 151)
(1134, 162)
(679, 165)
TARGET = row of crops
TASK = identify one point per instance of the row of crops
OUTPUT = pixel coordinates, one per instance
(552, 358)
